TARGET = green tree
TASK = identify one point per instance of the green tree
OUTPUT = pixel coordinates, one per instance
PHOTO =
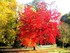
(66, 18)
(65, 32)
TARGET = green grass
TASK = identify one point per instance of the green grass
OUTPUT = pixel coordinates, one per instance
(52, 50)
(58, 50)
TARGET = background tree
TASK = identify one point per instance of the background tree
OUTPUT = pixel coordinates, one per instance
(65, 29)
(66, 18)
(7, 21)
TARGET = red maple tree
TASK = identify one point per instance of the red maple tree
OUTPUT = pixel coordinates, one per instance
(38, 26)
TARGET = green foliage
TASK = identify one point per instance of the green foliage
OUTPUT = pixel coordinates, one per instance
(8, 21)
(65, 31)
(65, 28)
(66, 18)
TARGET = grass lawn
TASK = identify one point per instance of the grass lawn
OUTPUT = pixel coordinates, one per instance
(58, 50)
(49, 50)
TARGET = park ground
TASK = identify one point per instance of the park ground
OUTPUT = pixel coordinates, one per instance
(49, 50)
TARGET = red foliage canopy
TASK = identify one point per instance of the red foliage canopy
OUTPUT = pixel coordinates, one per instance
(39, 26)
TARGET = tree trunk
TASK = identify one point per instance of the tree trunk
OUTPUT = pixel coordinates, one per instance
(63, 45)
(34, 48)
